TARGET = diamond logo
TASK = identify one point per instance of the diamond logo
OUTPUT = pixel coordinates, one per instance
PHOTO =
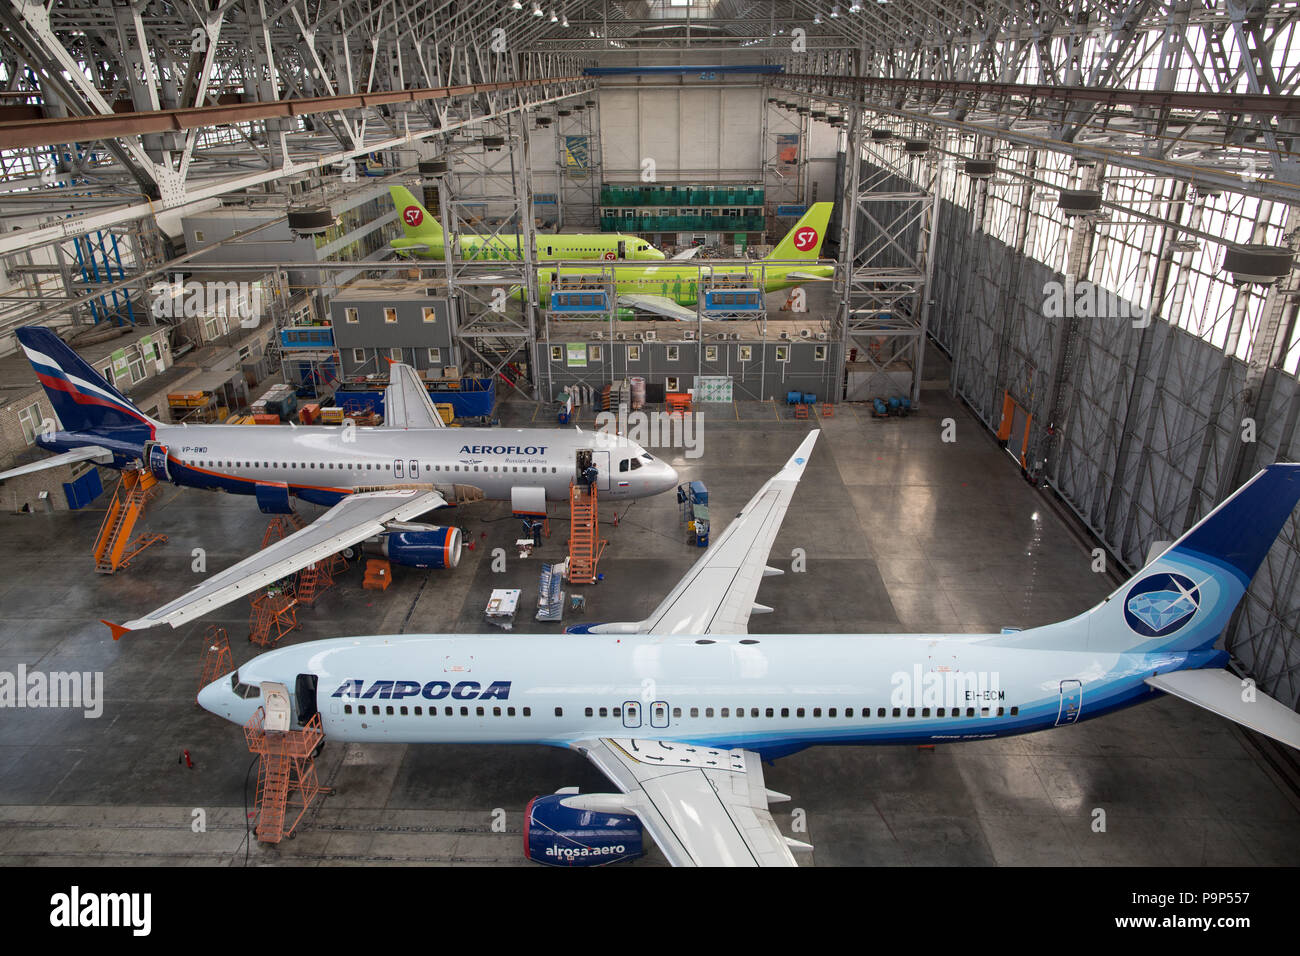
(1161, 604)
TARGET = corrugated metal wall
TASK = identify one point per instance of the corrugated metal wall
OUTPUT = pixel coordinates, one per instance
(1151, 433)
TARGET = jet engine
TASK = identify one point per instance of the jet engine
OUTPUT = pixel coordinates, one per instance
(558, 835)
(418, 545)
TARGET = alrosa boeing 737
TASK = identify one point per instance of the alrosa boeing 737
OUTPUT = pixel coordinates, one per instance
(375, 481)
(424, 238)
(679, 710)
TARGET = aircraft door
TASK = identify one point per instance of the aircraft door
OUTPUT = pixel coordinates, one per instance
(631, 714)
(622, 248)
(414, 469)
(659, 714)
(1071, 702)
(397, 468)
(601, 460)
(156, 460)
(305, 696)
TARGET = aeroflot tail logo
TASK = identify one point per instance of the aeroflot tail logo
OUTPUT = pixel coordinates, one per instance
(503, 449)
(1161, 604)
(434, 690)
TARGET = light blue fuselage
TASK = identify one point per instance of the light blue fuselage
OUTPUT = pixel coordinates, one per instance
(781, 693)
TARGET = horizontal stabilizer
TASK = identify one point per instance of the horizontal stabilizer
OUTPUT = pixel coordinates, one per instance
(794, 844)
(89, 453)
(757, 608)
(687, 253)
(1222, 693)
(771, 572)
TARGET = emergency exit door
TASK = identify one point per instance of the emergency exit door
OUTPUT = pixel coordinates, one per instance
(1071, 702)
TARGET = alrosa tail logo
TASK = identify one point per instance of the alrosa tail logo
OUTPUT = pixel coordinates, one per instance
(413, 215)
(1161, 604)
(805, 239)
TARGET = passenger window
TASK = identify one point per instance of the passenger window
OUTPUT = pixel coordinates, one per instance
(559, 711)
(528, 712)
(390, 710)
(831, 712)
(347, 708)
(798, 712)
(817, 711)
(496, 711)
(510, 711)
(587, 712)
(464, 711)
(897, 712)
(677, 713)
(695, 711)
(848, 711)
(925, 711)
(604, 712)
(939, 711)
(769, 712)
(403, 711)
(1015, 711)
(726, 712)
(478, 711)
(911, 711)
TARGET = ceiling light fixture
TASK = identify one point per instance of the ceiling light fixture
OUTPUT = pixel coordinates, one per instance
(537, 10)
(516, 5)
(835, 13)
(817, 18)
(856, 7)
(564, 21)
(554, 18)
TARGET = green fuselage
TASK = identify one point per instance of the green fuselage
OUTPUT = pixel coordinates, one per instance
(681, 283)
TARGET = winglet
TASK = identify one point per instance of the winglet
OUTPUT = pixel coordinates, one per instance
(117, 629)
(793, 469)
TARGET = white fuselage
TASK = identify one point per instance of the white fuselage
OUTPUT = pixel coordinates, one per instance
(768, 693)
(325, 463)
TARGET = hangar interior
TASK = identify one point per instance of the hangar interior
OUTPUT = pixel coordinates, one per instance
(1056, 327)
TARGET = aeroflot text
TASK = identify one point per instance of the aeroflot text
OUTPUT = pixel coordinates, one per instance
(434, 690)
(503, 449)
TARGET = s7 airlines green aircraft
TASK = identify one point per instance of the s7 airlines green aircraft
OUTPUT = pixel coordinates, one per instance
(672, 290)
(426, 240)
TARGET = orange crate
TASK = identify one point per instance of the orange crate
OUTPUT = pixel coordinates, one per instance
(266, 419)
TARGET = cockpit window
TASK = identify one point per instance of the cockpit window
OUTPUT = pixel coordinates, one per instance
(635, 464)
(246, 691)
(622, 465)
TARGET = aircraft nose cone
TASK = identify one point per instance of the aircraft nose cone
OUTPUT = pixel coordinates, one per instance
(212, 697)
(670, 476)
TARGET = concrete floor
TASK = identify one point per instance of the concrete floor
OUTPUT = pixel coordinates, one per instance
(902, 532)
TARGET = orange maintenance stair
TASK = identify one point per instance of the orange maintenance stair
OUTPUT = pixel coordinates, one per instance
(286, 774)
(114, 548)
(585, 545)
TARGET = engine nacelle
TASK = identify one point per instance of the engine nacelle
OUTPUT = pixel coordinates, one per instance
(556, 835)
(420, 546)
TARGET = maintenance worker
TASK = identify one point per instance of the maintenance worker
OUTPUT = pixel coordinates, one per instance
(589, 475)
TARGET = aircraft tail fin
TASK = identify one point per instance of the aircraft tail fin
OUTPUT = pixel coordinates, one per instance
(82, 399)
(1182, 600)
(805, 240)
(417, 222)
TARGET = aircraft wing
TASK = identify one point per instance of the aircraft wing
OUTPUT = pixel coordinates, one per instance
(406, 401)
(349, 522)
(703, 806)
(687, 253)
(89, 453)
(658, 304)
(717, 595)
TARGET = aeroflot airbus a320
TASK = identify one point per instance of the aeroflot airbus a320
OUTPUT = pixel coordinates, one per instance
(679, 710)
(374, 480)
